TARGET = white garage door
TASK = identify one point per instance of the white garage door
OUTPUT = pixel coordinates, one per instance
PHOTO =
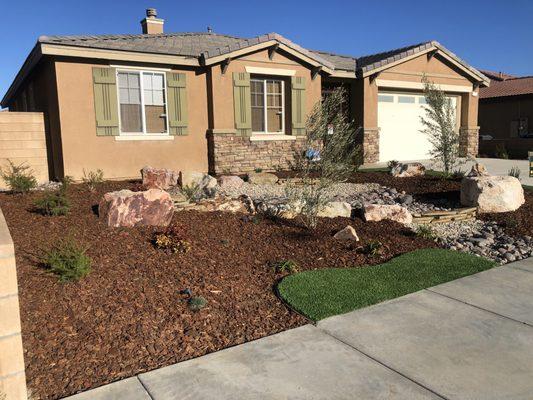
(399, 121)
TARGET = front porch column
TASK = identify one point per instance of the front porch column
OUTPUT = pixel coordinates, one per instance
(469, 130)
(366, 115)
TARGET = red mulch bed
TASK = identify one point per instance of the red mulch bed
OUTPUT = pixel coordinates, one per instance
(127, 316)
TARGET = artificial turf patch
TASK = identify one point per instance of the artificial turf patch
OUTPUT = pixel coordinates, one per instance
(319, 294)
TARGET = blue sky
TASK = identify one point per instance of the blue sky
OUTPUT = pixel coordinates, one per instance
(488, 34)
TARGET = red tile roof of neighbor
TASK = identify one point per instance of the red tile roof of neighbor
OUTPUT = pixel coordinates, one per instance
(508, 87)
(497, 76)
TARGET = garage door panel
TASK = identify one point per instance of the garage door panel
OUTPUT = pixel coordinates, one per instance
(399, 120)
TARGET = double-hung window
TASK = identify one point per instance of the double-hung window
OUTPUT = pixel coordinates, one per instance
(142, 101)
(268, 105)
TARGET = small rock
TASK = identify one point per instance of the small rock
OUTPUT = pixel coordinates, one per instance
(406, 199)
(509, 257)
(230, 182)
(478, 170)
(159, 178)
(336, 209)
(190, 178)
(376, 212)
(347, 233)
(262, 178)
(408, 170)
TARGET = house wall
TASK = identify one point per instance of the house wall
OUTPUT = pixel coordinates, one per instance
(82, 149)
(436, 70)
(232, 153)
(495, 116)
(22, 141)
(39, 94)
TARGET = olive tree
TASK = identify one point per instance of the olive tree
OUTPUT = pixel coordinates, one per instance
(331, 154)
(439, 125)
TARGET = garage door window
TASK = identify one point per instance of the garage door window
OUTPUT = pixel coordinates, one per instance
(406, 99)
(385, 98)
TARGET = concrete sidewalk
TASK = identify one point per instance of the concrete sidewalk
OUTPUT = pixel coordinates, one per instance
(467, 339)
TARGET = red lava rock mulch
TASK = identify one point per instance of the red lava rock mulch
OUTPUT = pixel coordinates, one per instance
(127, 316)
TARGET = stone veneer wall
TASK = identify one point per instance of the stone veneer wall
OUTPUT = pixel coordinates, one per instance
(230, 153)
(371, 145)
(12, 375)
(469, 141)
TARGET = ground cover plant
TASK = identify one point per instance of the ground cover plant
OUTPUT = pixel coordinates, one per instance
(322, 293)
(18, 177)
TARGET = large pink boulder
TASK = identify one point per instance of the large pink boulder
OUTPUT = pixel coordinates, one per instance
(379, 212)
(127, 208)
(492, 194)
(159, 178)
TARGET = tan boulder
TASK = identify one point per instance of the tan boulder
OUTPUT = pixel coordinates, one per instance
(408, 170)
(159, 178)
(379, 212)
(126, 208)
(347, 233)
(478, 170)
(492, 194)
(191, 178)
(335, 209)
(230, 182)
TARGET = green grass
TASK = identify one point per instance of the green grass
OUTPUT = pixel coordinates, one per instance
(377, 169)
(527, 187)
(322, 293)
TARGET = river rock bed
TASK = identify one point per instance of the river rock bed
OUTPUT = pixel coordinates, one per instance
(484, 238)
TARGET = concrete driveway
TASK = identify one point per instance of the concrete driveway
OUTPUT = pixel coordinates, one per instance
(467, 339)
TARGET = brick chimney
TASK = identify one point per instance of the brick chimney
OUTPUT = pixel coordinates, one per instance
(151, 24)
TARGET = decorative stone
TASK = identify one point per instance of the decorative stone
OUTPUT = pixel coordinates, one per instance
(379, 212)
(230, 182)
(159, 178)
(408, 170)
(208, 183)
(262, 178)
(336, 209)
(190, 178)
(347, 233)
(478, 170)
(126, 208)
(492, 194)
(233, 206)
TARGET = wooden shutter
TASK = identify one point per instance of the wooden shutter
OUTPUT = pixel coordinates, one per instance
(105, 101)
(242, 103)
(178, 119)
(298, 105)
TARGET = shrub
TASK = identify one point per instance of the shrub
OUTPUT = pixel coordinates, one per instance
(439, 125)
(458, 174)
(192, 192)
(258, 170)
(392, 164)
(515, 172)
(196, 303)
(332, 155)
(425, 232)
(93, 178)
(53, 204)
(373, 248)
(501, 152)
(288, 266)
(19, 178)
(172, 240)
(68, 260)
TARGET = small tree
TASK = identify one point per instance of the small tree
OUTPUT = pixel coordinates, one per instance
(439, 125)
(332, 154)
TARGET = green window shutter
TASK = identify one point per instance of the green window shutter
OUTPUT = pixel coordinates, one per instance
(105, 101)
(178, 119)
(298, 105)
(242, 103)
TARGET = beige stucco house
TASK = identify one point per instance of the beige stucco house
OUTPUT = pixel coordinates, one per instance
(206, 101)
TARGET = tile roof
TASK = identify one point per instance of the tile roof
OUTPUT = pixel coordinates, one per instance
(496, 76)
(508, 87)
(205, 45)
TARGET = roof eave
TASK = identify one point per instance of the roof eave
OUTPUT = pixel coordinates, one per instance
(33, 58)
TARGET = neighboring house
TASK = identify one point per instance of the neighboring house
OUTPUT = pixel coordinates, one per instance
(206, 101)
(506, 115)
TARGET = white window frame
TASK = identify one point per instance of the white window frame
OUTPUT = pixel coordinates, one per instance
(265, 105)
(143, 111)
